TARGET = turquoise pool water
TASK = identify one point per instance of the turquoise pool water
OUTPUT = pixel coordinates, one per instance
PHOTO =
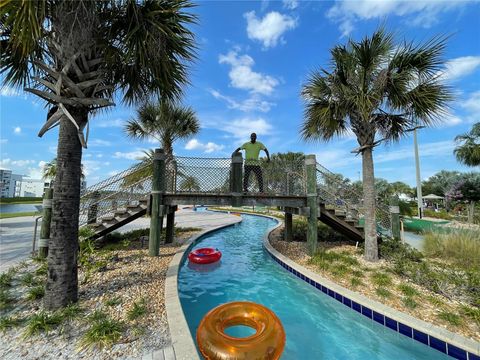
(317, 326)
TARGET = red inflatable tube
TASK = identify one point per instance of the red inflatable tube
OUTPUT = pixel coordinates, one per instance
(204, 255)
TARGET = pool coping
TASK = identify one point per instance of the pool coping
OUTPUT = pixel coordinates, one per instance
(182, 341)
(443, 340)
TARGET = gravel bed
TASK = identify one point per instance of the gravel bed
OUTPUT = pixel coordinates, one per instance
(128, 276)
(298, 252)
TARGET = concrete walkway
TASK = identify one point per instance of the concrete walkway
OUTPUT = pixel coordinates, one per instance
(16, 234)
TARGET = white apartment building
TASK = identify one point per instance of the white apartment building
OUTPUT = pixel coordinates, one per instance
(33, 187)
(9, 184)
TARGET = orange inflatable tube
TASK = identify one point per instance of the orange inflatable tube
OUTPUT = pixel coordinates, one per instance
(268, 341)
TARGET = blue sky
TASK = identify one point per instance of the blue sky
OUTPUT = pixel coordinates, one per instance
(253, 59)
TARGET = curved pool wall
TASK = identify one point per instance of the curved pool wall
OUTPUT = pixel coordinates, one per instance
(317, 325)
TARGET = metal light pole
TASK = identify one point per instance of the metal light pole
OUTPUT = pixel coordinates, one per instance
(417, 166)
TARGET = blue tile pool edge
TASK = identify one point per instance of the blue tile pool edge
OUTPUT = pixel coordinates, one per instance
(430, 335)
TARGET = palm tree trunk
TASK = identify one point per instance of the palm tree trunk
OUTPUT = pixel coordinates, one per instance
(62, 283)
(471, 211)
(371, 246)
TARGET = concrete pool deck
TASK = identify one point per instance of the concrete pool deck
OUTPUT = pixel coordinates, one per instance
(16, 234)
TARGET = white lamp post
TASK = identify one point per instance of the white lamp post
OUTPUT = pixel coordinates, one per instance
(417, 166)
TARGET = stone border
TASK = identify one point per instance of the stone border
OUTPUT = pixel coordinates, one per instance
(431, 335)
(182, 340)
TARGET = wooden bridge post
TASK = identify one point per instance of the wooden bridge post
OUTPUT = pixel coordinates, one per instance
(170, 230)
(158, 188)
(93, 209)
(288, 226)
(46, 221)
(395, 215)
(312, 202)
(236, 180)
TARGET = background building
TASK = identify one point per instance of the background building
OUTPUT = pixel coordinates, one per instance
(9, 184)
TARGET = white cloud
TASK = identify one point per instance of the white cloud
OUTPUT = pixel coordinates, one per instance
(18, 163)
(209, 147)
(472, 104)
(270, 29)
(113, 172)
(243, 77)
(460, 67)
(106, 123)
(450, 120)
(132, 155)
(290, 4)
(99, 142)
(436, 149)
(423, 13)
(242, 128)
(253, 103)
(17, 130)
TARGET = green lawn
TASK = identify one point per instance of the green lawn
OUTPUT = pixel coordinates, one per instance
(21, 200)
(13, 215)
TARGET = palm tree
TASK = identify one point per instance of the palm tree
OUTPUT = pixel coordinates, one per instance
(77, 55)
(166, 121)
(468, 153)
(49, 170)
(375, 88)
(190, 183)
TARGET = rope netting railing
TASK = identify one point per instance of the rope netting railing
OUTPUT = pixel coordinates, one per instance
(276, 177)
(213, 175)
(198, 175)
(338, 193)
(115, 193)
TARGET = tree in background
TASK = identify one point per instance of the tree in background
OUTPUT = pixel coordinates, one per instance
(190, 183)
(375, 88)
(165, 121)
(466, 189)
(49, 171)
(468, 150)
(76, 55)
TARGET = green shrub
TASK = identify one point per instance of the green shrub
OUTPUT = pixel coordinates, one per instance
(42, 270)
(408, 290)
(339, 270)
(451, 318)
(391, 249)
(461, 246)
(138, 309)
(5, 299)
(97, 315)
(441, 214)
(382, 292)
(355, 281)
(8, 322)
(29, 280)
(71, 312)
(113, 301)
(6, 279)
(42, 322)
(409, 302)
(36, 293)
(381, 279)
(472, 313)
(103, 332)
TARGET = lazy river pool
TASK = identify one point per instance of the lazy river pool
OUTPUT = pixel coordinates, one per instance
(316, 325)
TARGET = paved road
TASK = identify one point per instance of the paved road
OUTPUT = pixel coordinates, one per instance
(16, 234)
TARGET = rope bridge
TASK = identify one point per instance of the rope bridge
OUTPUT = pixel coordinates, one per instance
(223, 176)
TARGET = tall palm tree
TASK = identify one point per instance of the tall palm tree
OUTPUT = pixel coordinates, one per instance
(166, 121)
(375, 88)
(468, 151)
(49, 170)
(76, 55)
(190, 183)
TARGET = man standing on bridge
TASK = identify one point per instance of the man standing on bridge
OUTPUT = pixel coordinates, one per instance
(252, 150)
